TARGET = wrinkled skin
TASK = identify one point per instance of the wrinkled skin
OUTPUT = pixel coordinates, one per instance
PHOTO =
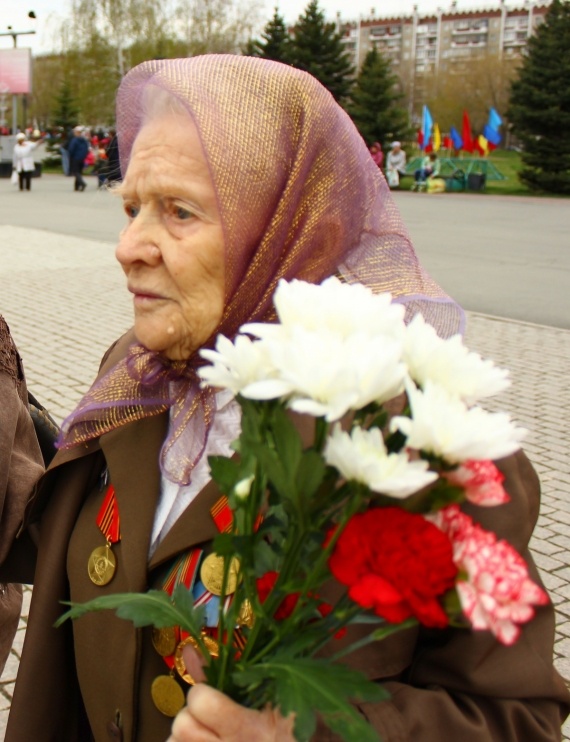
(210, 716)
(172, 249)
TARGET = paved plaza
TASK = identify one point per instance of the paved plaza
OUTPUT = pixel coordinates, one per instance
(64, 299)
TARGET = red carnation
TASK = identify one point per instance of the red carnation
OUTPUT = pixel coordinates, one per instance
(397, 564)
(265, 585)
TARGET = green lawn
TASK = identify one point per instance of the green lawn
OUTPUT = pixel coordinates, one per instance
(508, 163)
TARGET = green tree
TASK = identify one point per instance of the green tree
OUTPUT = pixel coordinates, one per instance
(540, 104)
(66, 110)
(274, 43)
(316, 47)
(375, 101)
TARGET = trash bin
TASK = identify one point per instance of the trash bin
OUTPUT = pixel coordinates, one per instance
(476, 181)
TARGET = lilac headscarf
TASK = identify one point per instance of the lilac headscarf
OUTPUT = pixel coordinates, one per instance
(299, 197)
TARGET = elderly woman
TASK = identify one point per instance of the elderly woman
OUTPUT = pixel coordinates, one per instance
(237, 172)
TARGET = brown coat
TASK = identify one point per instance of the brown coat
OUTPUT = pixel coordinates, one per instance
(448, 684)
(20, 467)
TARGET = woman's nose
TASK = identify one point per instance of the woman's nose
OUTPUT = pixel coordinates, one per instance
(139, 241)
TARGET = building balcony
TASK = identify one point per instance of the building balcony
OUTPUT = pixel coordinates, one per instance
(384, 35)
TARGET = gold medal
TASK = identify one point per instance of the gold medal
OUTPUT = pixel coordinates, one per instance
(212, 574)
(167, 695)
(211, 645)
(165, 640)
(246, 617)
(102, 565)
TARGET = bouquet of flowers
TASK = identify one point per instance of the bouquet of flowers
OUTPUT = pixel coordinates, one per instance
(360, 438)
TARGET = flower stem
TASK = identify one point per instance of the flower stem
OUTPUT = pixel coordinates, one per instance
(375, 636)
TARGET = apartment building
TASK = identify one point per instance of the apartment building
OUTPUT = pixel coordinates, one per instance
(445, 41)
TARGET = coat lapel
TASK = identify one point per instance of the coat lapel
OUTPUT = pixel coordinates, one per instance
(194, 526)
(132, 456)
(131, 453)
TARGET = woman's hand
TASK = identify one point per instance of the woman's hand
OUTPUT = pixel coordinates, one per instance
(210, 716)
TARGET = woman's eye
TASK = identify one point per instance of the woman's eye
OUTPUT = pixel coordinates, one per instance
(131, 211)
(181, 213)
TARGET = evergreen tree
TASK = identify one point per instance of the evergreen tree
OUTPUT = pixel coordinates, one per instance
(66, 110)
(274, 43)
(540, 104)
(64, 117)
(316, 47)
(374, 102)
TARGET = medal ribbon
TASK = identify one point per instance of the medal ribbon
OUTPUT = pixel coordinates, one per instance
(185, 569)
(108, 518)
(222, 515)
(224, 518)
(182, 572)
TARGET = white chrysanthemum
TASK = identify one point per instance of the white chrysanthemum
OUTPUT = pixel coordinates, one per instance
(362, 457)
(335, 306)
(443, 425)
(235, 365)
(327, 375)
(450, 364)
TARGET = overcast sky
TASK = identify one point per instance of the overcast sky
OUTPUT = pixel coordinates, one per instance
(50, 12)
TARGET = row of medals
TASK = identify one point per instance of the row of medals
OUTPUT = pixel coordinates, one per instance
(167, 694)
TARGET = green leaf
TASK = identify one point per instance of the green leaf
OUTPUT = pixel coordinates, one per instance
(288, 443)
(251, 420)
(224, 544)
(225, 472)
(265, 559)
(310, 474)
(272, 466)
(154, 608)
(307, 687)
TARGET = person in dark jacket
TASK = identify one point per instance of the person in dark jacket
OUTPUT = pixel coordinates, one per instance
(78, 149)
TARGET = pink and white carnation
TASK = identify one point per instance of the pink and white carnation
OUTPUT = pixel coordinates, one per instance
(481, 480)
(494, 588)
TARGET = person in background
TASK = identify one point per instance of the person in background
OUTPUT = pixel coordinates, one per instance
(23, 161)
(377, 154)
(429, 169)
(78, 149)
(395, 164)
(21, 465)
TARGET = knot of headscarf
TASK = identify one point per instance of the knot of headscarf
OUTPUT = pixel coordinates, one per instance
(144, 384)
(151, 368)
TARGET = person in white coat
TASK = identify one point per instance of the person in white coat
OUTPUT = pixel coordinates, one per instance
(23, 161)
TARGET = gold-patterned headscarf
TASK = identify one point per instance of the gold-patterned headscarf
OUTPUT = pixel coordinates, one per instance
(299, 197)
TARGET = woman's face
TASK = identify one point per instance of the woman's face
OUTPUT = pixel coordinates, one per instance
(172, 250)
